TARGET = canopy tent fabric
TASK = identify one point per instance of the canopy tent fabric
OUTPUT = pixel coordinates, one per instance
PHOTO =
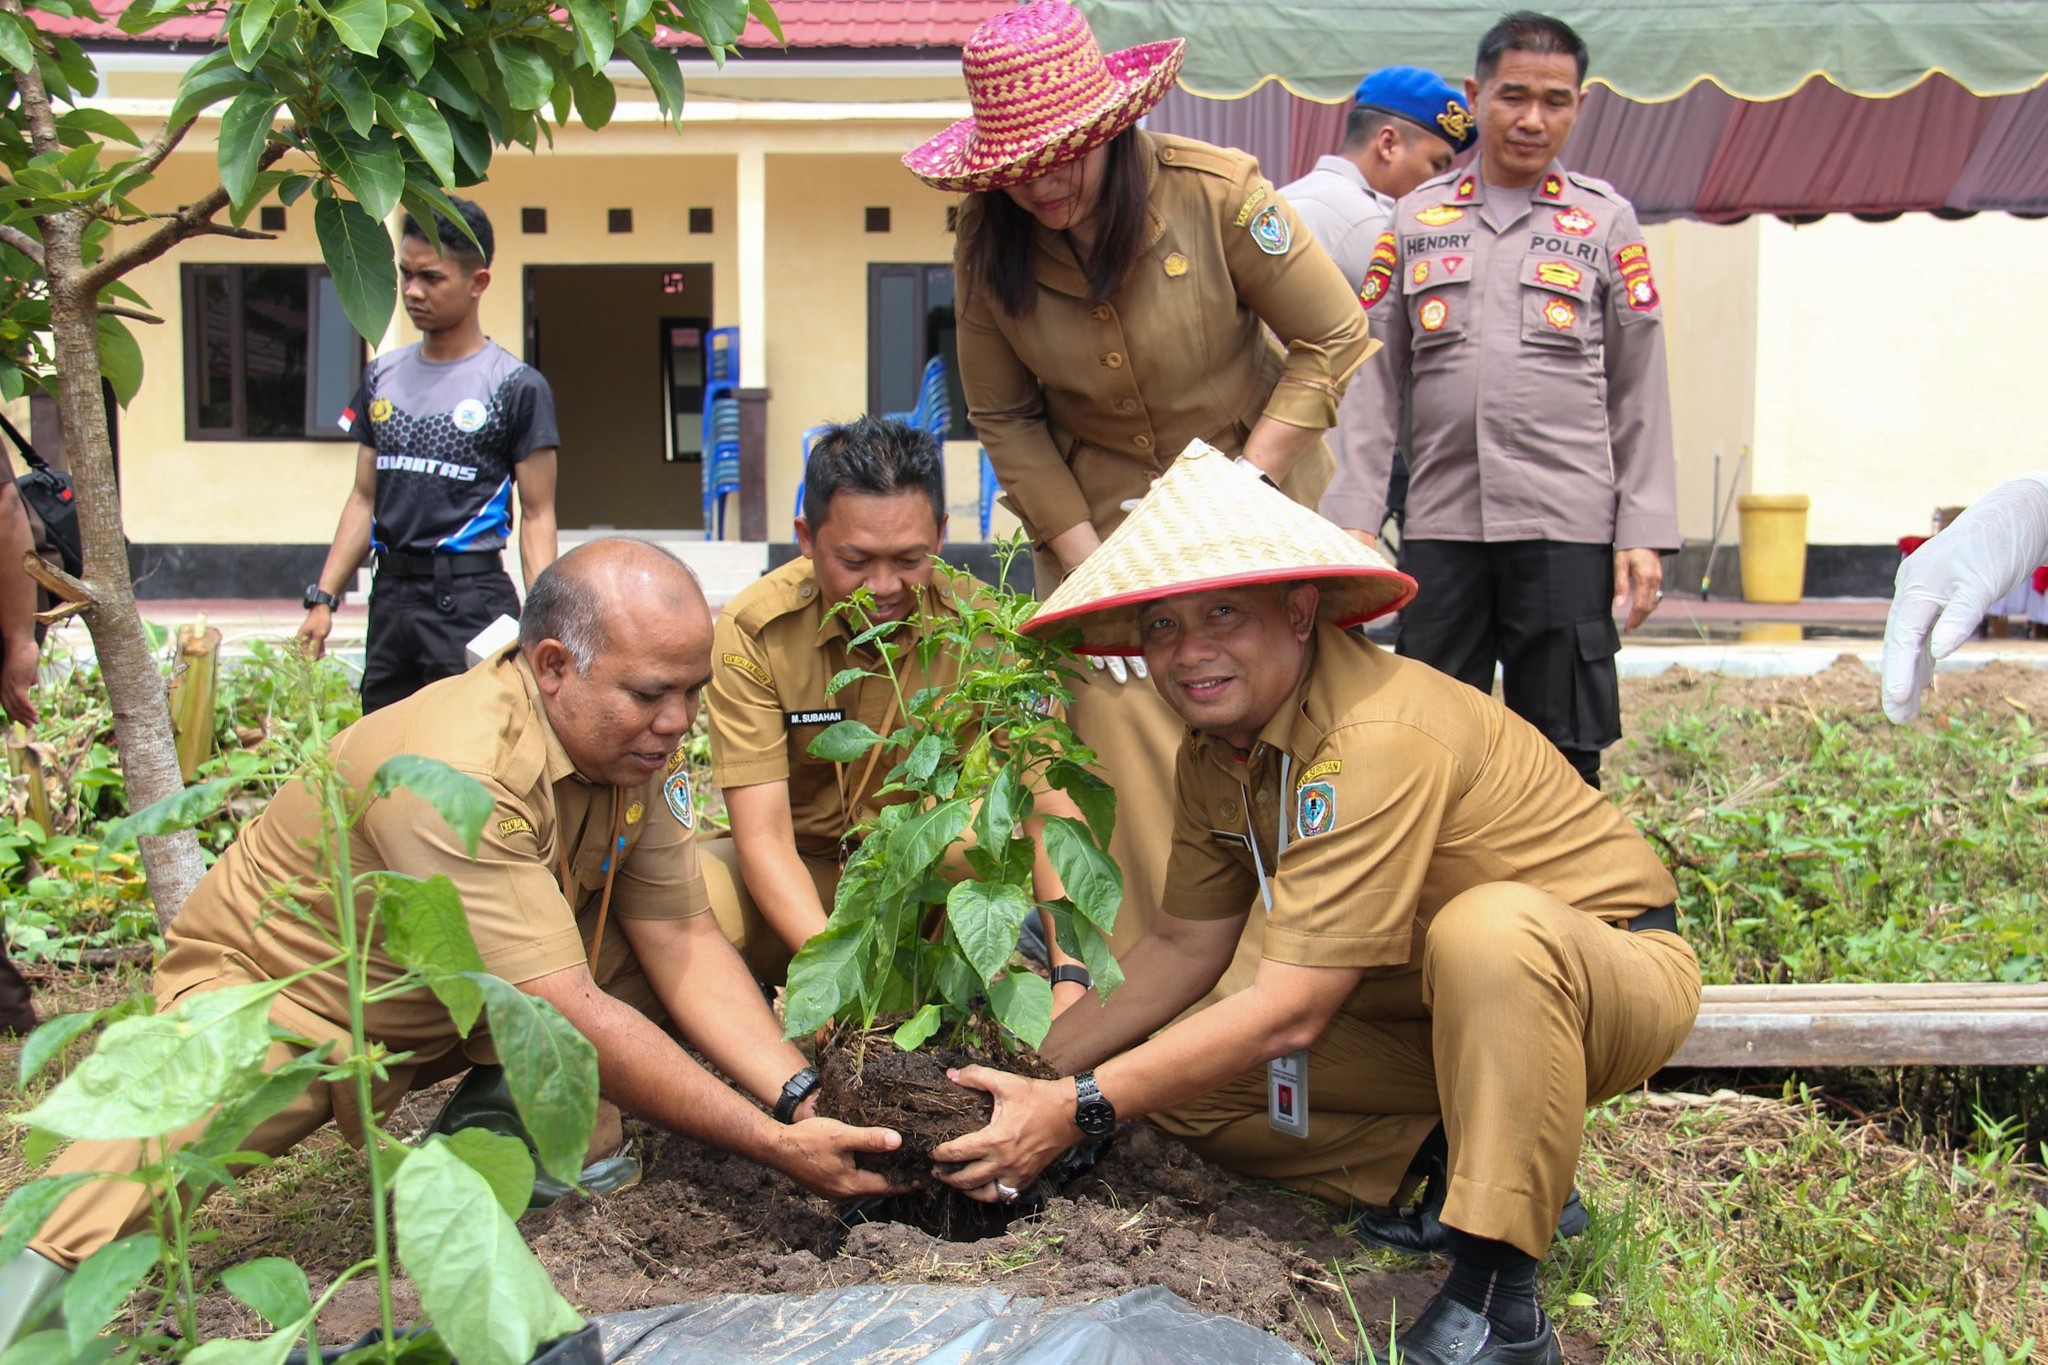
(1647, 50)
(1933, 144)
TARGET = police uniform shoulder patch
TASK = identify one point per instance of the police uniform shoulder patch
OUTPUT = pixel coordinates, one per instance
(751, 667)
(1271, 230)
(675, 790)
(514, 824)
(1315, 810)
(1249, 207)
(1633, 261)
(1379, 273)
(1436, 215)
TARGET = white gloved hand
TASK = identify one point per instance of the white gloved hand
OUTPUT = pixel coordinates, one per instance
(1119, 667)
(1945, 587)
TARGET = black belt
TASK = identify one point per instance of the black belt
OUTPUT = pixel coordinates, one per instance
(1664, 917)
(460, 564)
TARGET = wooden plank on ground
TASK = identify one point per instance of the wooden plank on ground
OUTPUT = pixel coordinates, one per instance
(1990, 1024)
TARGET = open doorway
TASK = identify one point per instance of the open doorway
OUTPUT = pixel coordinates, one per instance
(621, 345)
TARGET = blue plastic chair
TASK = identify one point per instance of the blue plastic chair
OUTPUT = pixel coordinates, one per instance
(811, 434)
(934, 411)
(721, 460)
(721, 360)
(989, 491)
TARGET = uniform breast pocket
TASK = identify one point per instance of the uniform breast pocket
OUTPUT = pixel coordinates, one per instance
(1558, 308)
(1439, 302)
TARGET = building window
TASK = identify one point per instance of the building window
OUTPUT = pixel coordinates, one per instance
(269, 354)
(619, 220)
(910, 320)
(700, 220)
(878, 219)
(533, 222)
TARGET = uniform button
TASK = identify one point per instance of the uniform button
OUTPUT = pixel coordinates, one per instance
(1265, 798)
(804, 591)
(1166, 155)
(1126, 405)
(1100, 312)
(1114, 360)
(1142, 442)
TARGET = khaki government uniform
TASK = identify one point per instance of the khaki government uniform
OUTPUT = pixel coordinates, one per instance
(1413, 827)
(552, 845)
(1081, 405)
(774, 651)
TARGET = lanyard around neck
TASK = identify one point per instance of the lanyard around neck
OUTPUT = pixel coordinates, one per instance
(1280, 832)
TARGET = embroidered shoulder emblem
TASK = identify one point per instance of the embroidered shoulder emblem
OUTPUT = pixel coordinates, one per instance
(1249, 206)
(747, 666)
(675, 760)
(1560, 314)
(1433, 314)
(1317, 811)
(1633, 261)
(1380, 272)
(1436, 215)
(675, 790)
(1329, 767)
(380, 409)
(1466, 188)
(1271, 231)
(514, 824)
(1553, 186)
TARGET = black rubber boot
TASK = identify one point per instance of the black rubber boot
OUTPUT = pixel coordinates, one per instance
(30, 1286)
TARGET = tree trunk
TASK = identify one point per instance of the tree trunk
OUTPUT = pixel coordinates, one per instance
(142, 713)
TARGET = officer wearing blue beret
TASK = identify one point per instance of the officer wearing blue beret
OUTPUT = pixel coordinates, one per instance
(1405, 126)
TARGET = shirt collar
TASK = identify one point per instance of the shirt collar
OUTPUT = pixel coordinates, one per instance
(555, 762)
(1469, 188)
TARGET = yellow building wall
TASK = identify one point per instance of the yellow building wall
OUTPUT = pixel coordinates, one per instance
(1898, 366)
(1707, 276)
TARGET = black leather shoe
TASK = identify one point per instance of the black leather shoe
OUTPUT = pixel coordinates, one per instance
(1418, 1231)
(1449, 1333)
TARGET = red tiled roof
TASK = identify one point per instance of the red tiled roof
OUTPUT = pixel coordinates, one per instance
(811, 24)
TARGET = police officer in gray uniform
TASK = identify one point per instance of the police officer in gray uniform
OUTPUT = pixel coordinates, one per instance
(1525, 350)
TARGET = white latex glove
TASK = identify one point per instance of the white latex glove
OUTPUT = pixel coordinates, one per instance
(1945, 587)
(1119, 667)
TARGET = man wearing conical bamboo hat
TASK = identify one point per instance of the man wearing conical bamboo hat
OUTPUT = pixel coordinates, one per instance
(1463, 944)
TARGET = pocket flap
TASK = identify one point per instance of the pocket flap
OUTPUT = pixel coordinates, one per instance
(1598, 639)
(1558, 275)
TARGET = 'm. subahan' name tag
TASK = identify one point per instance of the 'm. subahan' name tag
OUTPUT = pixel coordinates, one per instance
(796, 718)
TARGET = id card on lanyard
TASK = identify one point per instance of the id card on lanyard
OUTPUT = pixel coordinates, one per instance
(1286, 1077)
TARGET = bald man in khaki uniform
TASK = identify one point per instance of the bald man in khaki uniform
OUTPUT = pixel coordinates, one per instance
(1457, 929)
(585, 891)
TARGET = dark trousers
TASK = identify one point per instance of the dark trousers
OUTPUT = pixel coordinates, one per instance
(419, 626)
(1542, 609)
(17, 1012)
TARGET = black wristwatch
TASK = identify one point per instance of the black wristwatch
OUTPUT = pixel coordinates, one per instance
(795, 1091)
(1072, 971)
(317, 596)
(1093, 1114)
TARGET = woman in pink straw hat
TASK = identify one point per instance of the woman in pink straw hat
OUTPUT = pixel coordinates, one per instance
(1119, 293)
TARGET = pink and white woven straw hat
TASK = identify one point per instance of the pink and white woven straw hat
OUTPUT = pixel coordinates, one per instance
(1043, 93)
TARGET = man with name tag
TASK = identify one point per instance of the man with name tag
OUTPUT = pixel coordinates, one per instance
(1463, 945)
(874, 516)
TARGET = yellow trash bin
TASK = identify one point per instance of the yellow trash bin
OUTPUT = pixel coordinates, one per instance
(1773, 546)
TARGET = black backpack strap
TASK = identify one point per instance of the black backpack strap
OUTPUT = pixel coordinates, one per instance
(28, 452)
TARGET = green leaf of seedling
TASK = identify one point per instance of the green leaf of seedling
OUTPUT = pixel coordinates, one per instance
(40, 1145)
(552, 1072)
(182, 810)
(917, 1030)
(371, 167)
(103, 1282)
(459, 798)
(426, 929)
(275, 1287)
(479, 1284)
(360, 24)
(160, 1072)
(1085, 941)
(920, 841)
(844, 742)
(1095, 797)
(415, 116)
(985, 918)
(120, 358)
(244, 129)
(359, 256)
(31, 1205)
(274, 1349)
(51, 1038)
(924, 758)
(1094, 883)
(825, 975)
(235, 1120)
(502, 1161)
(1001, 805)
(846, 677)
(1022, 1000)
